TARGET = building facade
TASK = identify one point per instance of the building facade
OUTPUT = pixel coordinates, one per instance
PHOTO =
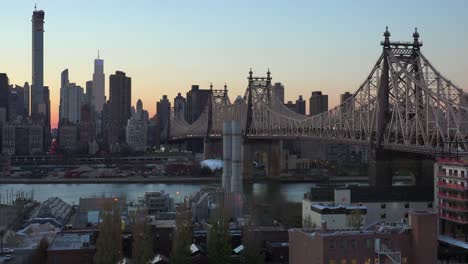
(136, 130)
(98, 95)
(163, 111)
(318, 103)
(180, 105)
(37, 87)
(120, 87)
(278, 91)
(196, 102)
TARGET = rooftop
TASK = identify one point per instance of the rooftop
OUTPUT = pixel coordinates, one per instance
(71, 241)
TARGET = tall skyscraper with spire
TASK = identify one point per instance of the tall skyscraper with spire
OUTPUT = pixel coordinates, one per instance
(98, 85)
(37, 87)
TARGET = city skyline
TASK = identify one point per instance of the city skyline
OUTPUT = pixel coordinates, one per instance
(302, 52)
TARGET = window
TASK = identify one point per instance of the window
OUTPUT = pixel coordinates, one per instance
(429, 205)
(332, 261)
(406, 205)
(343, 243)
(463, 174)
(387, 242)
(383, 206)
(353, 243)
(383, 215)
(331, 244)
(369, 244)
(404, 260)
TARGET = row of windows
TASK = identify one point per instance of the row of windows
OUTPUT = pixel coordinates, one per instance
(343, 243)
(371, 260)
(454, 172)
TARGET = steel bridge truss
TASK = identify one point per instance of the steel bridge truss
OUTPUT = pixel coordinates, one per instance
(404, 104)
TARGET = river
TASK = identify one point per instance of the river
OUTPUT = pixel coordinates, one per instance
(70, 193)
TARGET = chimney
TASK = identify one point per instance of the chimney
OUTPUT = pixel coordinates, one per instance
(323, 227)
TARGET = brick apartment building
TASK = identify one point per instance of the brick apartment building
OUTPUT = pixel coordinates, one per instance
(414, 243)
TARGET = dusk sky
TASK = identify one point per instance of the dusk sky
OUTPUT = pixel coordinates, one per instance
(167, 45)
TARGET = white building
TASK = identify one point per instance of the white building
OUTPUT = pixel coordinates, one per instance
(136, 130)
(392, 211)
(71, 99)
(335, 216)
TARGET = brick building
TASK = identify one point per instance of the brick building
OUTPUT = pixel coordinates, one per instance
(399, 242)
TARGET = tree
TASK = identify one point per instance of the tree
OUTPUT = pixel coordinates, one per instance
(252, 245)
(142, 245)
(109, 242)
(181, 253)
(355, 220)
(40, 254)
(219, 247)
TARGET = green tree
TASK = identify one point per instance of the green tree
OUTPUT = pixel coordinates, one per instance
(109, 242)
(182, 241)
(40, 254)
(142, 245)
(219, 246)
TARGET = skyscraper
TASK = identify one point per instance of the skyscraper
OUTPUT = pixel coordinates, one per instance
(196, 102)
(301, 105)
(27, 98)
(89, 92)
(37, 87)
(136, 130)
(344, 97)
(278, 91)
(179, 106)
(99, 98)
(163, 108)
(4, 95)
(64, 97)
(120, 90)
(318, 103)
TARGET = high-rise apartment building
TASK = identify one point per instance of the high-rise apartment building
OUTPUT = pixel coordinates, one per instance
(120, 90)
(27, 99)
(180, 104)
(4, 94)
(37, 87)
(163, 108)
(318, 103)
(196, 102)
(278, 91)
(89, 92)
(136, 130)
(98, 94)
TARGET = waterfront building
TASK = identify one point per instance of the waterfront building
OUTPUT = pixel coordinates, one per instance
(318, 103)
(37, 87)
(120, 87)
(98, 94)
(157, 202)
(196, 102)
(163, 110)
(29, 138)
(68, 136)
(180, 104)
(87, 131)
(383, 242)
(7, 139)
(278, 91)
(136, 130)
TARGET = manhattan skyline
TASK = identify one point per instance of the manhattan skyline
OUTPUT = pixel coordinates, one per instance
(170, 45)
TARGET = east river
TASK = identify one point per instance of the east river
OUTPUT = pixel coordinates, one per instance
(71, 193)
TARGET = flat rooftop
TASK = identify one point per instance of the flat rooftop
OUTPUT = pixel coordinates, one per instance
(71, 241)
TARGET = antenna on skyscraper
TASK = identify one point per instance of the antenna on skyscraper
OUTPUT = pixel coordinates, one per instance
(35, 6)
(98, 54)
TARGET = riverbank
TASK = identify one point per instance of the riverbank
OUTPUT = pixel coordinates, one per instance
(142, 180)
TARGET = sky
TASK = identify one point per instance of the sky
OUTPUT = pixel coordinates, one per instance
(165, 46)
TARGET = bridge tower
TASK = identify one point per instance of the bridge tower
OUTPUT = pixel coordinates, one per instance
(382, 163)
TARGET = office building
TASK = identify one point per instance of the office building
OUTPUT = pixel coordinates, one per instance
(344, 97)
(7, 139)
(27, 99)
(89, 93)
(37, 87)
(163, 108)
(98, 95)
(382, 242)
(28, 138)
(180, 104)
(64, 95)
(68, 136)
(120, 90)
(136, 130)
(196, 102)
(16, 106)
(87, 125)
(4, 94)
(300, 106)
(278, 91)
(318, 103)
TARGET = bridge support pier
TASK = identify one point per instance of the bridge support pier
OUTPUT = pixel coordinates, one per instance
(266, 153)
(385, 164)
